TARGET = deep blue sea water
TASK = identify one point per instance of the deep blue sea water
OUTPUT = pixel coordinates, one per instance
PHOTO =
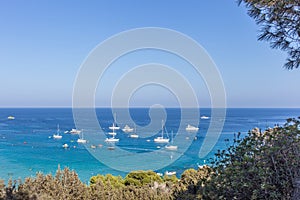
(26, 145)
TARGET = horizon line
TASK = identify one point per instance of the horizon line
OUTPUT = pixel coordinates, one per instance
(64, 107)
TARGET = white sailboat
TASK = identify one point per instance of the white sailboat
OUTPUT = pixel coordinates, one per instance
(161, 139)
(171, 147)
(191, 128)
(134, 135)
(113, 133)
(57, 136)
(81, 140)
(112, 139)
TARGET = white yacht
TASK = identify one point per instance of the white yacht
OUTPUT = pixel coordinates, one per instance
(74, 131)
(57, 136)
(112, 139)
(134, 135)
(204, 117)
(161, 139)
(170, 173)
(10, 117)
(191, 128)
(127, 129)
(171, 147)
(79, 140)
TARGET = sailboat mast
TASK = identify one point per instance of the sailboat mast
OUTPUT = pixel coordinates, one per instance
(162, 128)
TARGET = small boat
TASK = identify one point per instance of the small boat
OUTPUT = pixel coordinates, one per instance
(159, 174)
(134, 135)
(171, 147)
(81, 140)
(93, 147)
(114, 127)
(57, 136)
(127, 129)
(74, 131)
(112, 139)
(204, 117)
(111, 148)
(11, 117)
(191, 128)
(161, 139)
(112, 133)
(201, 166)
(170, 173)
(66, 132)
(65, 146)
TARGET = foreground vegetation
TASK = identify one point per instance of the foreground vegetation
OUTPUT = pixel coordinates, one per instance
(263, 165)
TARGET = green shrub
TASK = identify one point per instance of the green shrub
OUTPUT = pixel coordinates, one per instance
(263, 165)
(114, 181)
(140, 178)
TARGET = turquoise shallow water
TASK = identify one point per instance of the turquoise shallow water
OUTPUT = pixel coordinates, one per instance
(26, 145)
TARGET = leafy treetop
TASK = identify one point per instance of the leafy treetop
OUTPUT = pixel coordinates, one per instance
(280, 25)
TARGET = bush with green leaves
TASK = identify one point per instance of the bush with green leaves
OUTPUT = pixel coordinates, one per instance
(191, 183)
(139, 178)
(263, 165)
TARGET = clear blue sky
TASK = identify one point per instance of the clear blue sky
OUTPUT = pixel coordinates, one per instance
(43, 44)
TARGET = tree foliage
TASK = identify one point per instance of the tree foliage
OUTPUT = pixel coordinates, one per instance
(264, 165)
(139, 178)
(280, 25)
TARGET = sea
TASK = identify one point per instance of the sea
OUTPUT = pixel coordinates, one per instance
(27, 145)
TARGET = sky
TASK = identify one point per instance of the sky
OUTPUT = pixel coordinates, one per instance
(44, 43)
